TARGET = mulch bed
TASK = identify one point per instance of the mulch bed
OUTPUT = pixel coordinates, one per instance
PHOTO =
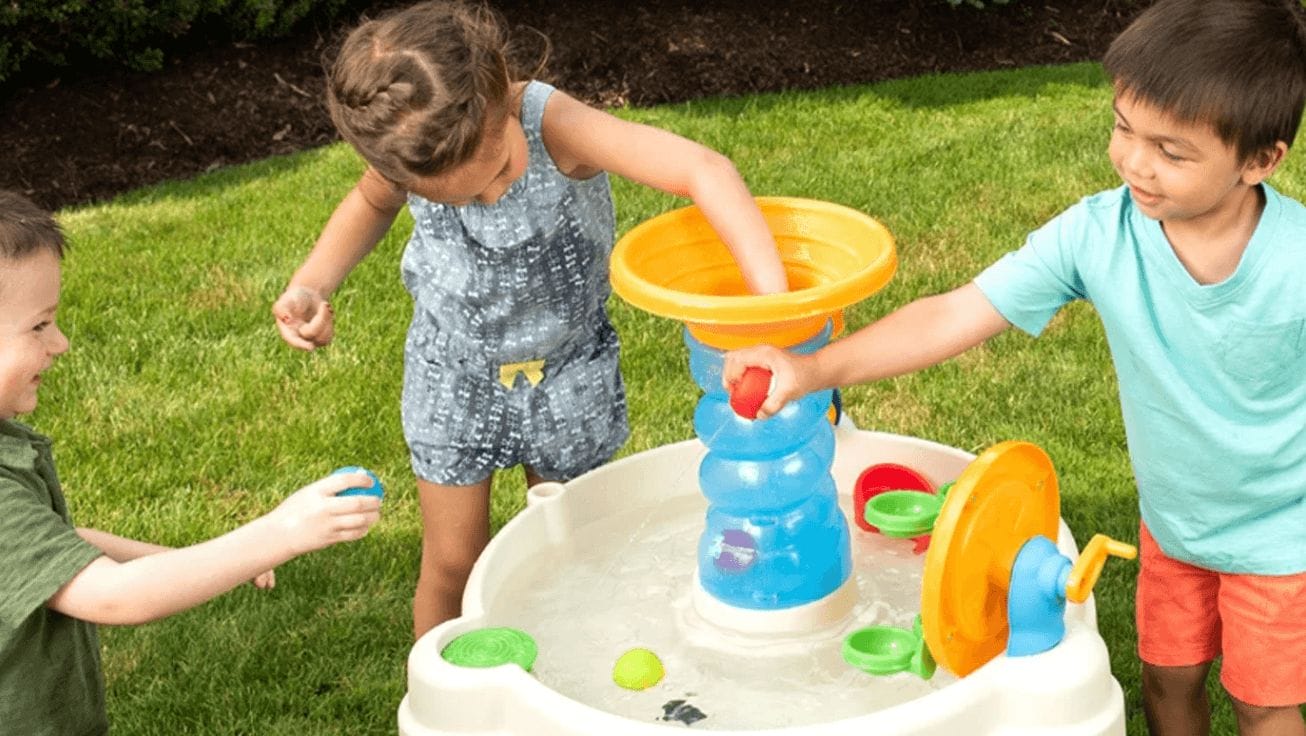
(88, 136)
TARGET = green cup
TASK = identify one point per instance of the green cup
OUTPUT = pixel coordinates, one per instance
(886, 650)
(903, 514)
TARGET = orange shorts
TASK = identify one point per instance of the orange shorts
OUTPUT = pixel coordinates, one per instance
(1188, 615)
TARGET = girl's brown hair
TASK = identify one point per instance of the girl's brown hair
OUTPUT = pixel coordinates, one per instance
(413, 91)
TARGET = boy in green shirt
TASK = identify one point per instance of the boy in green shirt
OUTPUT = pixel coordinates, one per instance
(58, 581)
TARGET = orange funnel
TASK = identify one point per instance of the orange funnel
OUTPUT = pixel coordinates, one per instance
(674, 265)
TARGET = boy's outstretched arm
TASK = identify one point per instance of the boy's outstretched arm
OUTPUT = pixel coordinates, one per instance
(161, 584)
(123, 549)
(303, 314)
(584, 141)
(119, 549)
(923, 333)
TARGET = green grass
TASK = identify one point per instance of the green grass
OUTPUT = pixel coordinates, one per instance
(179, 413)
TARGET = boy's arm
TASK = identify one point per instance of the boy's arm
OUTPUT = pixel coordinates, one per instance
(122, 549)
(584, 141)
(923, 333)
(167, 582)
(355, 227)
(119, 549)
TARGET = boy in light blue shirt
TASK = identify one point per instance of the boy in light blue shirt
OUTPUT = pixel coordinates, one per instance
(1197, 269)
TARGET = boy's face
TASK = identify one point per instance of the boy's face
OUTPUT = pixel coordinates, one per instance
(29, 338)
(1175, 170)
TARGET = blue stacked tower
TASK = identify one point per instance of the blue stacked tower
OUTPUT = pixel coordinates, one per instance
(775, 537)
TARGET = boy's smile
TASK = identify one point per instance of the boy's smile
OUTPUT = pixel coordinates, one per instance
(29, 338)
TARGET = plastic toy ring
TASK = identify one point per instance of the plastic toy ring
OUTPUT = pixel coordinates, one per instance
(491, 648)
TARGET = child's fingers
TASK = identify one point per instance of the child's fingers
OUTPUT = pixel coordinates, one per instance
(321, 328)
(773, 404)
(345, 481)
(331, 486)
(783, 389)
(354, 526)
(741, 360)
(350, 505)
(295, 305)
(731, 371)
(290, 333)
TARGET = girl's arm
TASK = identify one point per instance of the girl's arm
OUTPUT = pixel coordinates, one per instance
(584, 141)
(359, 222)
(170, 581)
(926, 332)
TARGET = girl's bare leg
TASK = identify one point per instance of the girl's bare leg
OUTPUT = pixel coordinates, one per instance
(455, 528)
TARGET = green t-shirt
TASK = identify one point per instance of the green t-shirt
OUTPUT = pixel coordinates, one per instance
(50, 678)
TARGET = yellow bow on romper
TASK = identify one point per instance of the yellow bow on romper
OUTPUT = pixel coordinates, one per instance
(532, 369)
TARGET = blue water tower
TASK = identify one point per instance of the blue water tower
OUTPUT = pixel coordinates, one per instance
(774, 537)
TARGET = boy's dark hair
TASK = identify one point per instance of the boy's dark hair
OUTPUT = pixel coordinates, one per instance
(414, 90)
(1239, 65)
(26, 228)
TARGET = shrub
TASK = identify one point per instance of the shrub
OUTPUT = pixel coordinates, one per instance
(133, 33)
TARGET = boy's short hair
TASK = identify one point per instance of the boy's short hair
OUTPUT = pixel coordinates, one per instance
(26, 228)
(1239, 65)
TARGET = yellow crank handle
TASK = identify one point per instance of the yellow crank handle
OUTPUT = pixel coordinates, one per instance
(1083, 576)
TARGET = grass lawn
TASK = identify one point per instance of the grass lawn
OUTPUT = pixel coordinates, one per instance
(180, 414)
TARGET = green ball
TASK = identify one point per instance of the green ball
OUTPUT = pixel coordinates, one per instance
(638, 669)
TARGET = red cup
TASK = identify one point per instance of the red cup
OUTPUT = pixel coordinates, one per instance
(885, 477)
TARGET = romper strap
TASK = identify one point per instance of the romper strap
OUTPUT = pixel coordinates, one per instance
(532, 104)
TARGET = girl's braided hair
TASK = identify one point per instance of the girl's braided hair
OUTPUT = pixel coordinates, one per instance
(414, 91)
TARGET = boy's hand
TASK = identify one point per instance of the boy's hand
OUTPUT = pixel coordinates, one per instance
(315, 517)
(790, 374)
(304, 318)
(265, 581)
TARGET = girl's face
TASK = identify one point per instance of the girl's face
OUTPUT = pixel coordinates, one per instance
(499, 161)
(29, 338)
(1175, 170)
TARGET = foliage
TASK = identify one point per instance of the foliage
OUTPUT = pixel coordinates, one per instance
(134, 33)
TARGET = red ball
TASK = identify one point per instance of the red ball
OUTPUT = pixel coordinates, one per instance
(749, 393)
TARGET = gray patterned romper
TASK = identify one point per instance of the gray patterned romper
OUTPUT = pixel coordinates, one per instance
(511, 357)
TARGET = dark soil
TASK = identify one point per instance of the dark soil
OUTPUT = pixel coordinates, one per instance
(91, 135)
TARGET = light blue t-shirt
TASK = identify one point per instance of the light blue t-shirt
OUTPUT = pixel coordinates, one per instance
(1212, 377)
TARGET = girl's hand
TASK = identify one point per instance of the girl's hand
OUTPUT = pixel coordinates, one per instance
(265, 581)
(304, 318)
(790, 374)
(315, 516)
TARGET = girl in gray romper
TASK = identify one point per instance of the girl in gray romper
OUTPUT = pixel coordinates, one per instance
(510, 356)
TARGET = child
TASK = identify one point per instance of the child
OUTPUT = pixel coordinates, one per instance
(1196, 268)
(510, 356)
(56, 581)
